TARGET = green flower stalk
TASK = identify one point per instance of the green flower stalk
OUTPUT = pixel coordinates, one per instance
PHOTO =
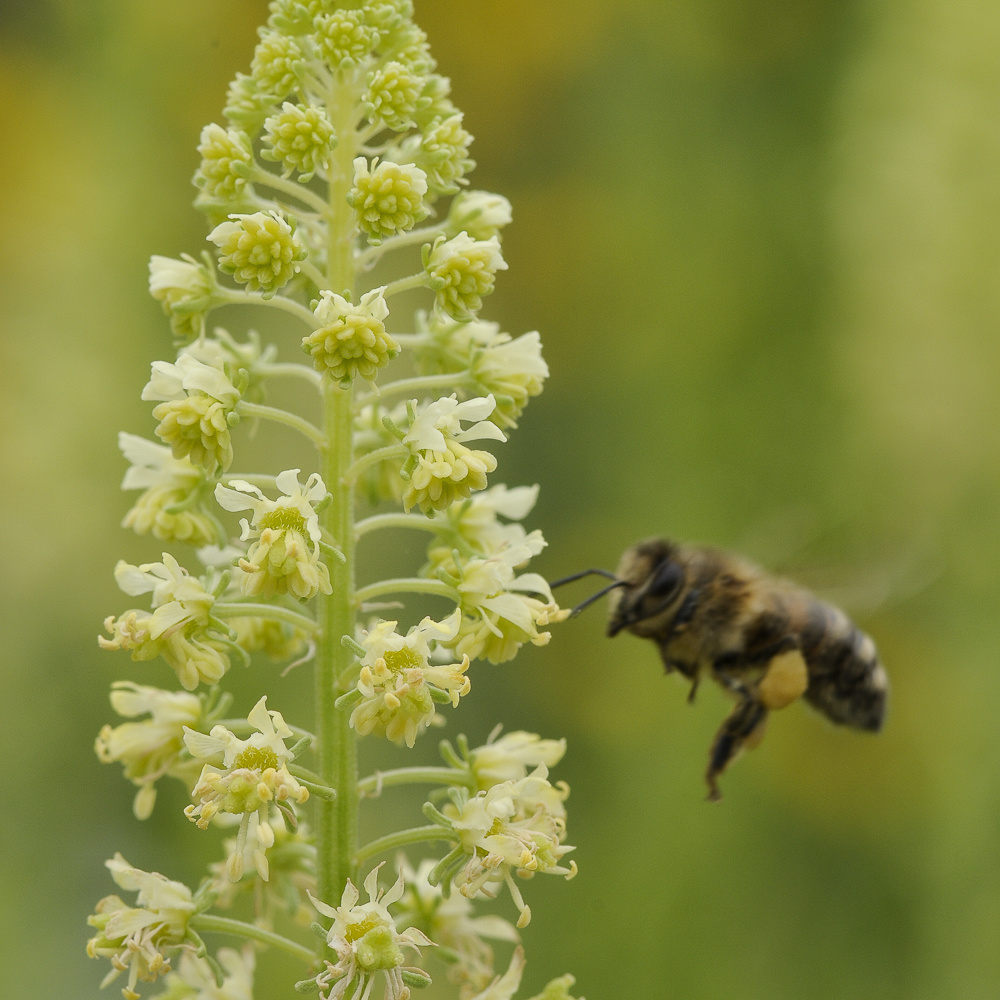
(335, 151)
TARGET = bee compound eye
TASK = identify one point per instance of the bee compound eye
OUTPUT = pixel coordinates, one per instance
(666, 579)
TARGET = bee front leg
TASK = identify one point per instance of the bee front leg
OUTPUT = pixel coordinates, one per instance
(743, 727)
(694, 688)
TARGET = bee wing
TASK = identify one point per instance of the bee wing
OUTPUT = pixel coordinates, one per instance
(863, 590)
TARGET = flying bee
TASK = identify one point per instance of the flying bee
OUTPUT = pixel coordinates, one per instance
(764, 640)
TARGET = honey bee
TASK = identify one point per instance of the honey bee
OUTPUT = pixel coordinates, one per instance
(764, 640)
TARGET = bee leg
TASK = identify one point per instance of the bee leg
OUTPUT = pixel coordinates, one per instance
(743, 727)
(694, 688)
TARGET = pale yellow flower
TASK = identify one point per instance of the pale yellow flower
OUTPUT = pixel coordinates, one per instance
(167, 507)
(285, 555)
(514, 826)
(252, 779)
(397, 683)
(442, 469)
(140, 938)
(450, 922)
(178, 628)
(367, 942)
(153, 747)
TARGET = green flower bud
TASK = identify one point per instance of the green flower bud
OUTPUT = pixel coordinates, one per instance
(435, 102)
(345, 38)
(388, 199)
(226, 159)
(393, 21)
(277, 65)
(462, 270)
(394, 95)
(196, 428)
(259, 250)
(276, 640)
(194, 417)
(443, 155)
(246, 105)
(293, 17)
(409, 46)
(352, 341)
(184, 287)
(479, 213)
(301, 138)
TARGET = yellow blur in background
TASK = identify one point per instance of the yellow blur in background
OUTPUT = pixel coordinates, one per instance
(762, 244)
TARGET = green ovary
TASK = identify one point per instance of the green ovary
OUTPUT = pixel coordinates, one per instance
(378, 950)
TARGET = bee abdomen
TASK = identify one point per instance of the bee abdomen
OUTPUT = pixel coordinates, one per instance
(846, 680)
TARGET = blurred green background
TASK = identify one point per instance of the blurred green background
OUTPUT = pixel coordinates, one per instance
(762, 244)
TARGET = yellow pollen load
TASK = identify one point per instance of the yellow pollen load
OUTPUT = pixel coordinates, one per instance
(785, 681)
(284, 519)
(256, 759)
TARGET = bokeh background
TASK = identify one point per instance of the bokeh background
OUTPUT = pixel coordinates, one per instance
(762, 244)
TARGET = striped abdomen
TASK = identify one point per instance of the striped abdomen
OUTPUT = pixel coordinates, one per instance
(846, 680)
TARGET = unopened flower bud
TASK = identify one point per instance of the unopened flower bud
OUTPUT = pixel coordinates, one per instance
(226, 159)
(300, 138)
(388, 198)
(462, 271)
(259, 250)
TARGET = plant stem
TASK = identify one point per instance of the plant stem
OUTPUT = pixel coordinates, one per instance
(313, 273)
(405, 284)
(419, 384)
(414, 776)
(292, 420)
(405, 585)
(352, 472)
(290, 368)
(239, 609)
(398, 520)
(321, 791)
(230, 296)
(226, 925)
(416, 835)
(292, 188)
(369, 257)
(336, 743)
(413, 339)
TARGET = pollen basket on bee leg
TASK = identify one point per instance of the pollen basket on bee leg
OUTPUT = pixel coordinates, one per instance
(785, 681)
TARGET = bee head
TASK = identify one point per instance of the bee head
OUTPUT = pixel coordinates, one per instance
(651, 576)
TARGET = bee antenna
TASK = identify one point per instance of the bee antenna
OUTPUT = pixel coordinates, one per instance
(596, 597)
(581, 575)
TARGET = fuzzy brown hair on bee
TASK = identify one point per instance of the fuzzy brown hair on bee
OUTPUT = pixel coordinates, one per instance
(765, 641)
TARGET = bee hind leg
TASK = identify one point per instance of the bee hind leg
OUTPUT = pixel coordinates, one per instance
(742, 729)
